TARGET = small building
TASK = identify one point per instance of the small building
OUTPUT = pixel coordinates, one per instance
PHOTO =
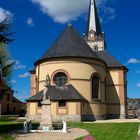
(86, 81)
(133, 107)
(9, 103)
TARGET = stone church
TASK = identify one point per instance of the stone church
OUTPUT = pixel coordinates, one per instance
(85, 81)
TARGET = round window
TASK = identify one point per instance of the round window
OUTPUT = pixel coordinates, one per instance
(60, 79)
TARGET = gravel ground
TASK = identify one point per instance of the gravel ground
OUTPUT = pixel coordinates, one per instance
(71, 135)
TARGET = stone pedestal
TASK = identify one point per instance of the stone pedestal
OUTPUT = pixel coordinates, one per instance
(64, 129)
(46, 121)
(122, 112)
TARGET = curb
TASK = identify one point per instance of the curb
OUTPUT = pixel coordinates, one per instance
(138, 135)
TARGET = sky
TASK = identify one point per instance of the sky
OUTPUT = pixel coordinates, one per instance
(38, 23)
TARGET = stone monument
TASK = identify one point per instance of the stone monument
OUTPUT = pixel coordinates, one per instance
(64, 129)
(25, 127)
(46, 121)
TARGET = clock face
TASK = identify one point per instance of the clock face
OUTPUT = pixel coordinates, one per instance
(91, 35)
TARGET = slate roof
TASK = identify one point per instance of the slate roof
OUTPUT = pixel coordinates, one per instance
(69, 44)
(109, 59)
(59, 93)
(16, 99)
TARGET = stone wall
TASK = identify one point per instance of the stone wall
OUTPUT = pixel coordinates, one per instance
(66, 118)
(55, 118)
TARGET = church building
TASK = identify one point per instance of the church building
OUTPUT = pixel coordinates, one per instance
(85, 81)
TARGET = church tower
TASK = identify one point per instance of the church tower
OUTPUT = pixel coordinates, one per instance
(94, 36)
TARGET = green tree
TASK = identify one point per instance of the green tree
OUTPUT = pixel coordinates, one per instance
(6, 65)
(5, 35)
(5, 59)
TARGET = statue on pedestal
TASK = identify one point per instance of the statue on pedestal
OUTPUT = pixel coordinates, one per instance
(47, 84)
(46, 120)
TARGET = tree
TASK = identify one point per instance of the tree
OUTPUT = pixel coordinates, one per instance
(5, 61)
(5, 35)
(6, 65)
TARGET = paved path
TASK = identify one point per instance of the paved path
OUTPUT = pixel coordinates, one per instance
(71, 135)
(116, 121)
(138, 136)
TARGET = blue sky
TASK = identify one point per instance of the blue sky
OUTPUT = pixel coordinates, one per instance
(37, 24)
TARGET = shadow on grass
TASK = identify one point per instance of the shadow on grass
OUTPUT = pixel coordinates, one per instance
(13, 127)
(9, 125)
(8, 118)
(6, 128)
(6, 137)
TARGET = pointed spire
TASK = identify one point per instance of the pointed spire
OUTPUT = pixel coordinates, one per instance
(93, 23)
(94, 36)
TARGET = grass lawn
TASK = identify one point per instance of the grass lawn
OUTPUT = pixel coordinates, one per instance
(10, 124)
(109, 131)
(7, 125)
(106, 131)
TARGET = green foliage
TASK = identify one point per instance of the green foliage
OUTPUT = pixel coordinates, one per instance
(109, 131)
(6, 64)
(5, 35)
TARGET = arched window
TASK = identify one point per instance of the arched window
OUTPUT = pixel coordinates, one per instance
(95, 48)
(60, 79)
(95, 87)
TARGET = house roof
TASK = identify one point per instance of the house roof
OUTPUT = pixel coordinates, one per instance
(67, 92)
(69, 44)
(16, 99)
(5, 90)
(109, 59)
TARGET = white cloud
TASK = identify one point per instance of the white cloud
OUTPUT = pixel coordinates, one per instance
(18, 65)
(100, 2)
(17, 62)
(30, 21)
(138, 84)
(23, 97)
(13, 81)
(65, 11)
(24, 92)
(24, 75)
(110, 13)
(4, 14)
(133, 61)
(62, 11)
